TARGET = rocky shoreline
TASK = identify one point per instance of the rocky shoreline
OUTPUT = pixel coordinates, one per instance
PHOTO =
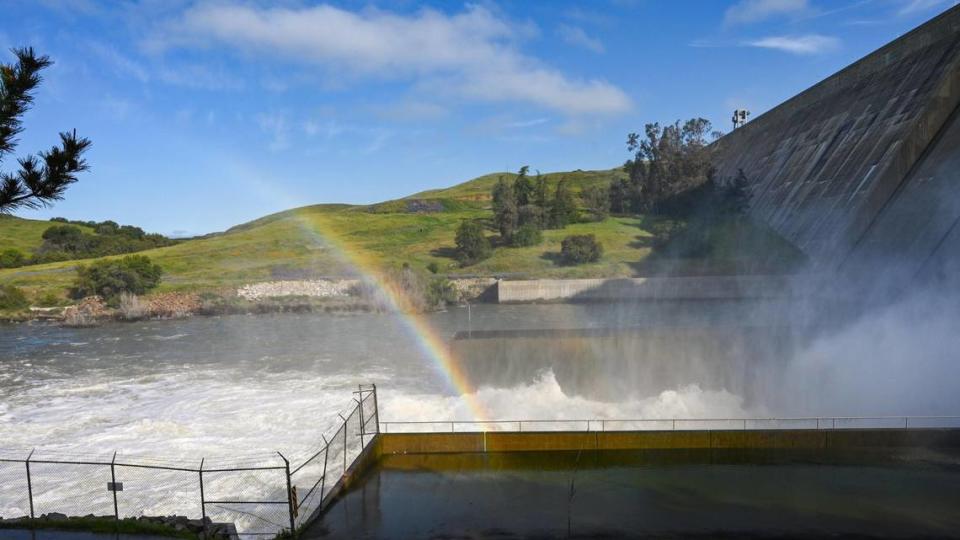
(285, 296)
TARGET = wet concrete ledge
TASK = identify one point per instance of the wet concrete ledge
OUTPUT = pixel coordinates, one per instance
(489, 442)
(645, 288)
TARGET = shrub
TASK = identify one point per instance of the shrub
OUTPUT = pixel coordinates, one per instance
(50, 257)
(64, 238)
(11, 258)
(472, 245)
(12, 298)
(47, 299)
(433, 267)
(580, 248)
(441, 292)
(527, 235)
(132, 274)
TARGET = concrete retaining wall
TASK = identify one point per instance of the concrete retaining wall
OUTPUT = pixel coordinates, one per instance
(456, 443)
(652, 288)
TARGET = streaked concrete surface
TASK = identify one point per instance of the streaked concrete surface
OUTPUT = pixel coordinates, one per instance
(836, 161)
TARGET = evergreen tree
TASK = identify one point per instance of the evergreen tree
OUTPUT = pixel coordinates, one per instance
(42, 178)
(563, 209)
(670, 160)
(619, 193)
(541, 195)
(472, 245)
(505, 211)
(596, 199)
(523, 187)
(532, 215)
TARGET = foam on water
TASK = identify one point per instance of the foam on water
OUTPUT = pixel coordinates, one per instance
(242, 389)
(544, 400)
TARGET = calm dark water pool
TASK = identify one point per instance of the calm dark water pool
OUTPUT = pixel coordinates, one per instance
(669, 501)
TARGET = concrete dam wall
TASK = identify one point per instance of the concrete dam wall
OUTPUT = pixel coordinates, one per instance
(863, 165)
(638, 362)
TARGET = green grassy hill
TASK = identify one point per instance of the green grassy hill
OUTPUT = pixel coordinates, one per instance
(25, 234)
(479, 188)
(336, 240)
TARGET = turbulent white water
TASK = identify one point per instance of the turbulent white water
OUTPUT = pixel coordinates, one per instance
(239, 389)
(545, 400)
(242, 385)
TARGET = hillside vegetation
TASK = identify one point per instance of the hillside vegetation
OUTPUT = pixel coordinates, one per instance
(25, 235)
(340, 240)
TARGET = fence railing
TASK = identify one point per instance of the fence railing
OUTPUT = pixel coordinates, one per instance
(675, 424)
(262, 495)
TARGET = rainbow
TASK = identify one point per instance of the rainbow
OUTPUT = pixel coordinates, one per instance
(418, 326)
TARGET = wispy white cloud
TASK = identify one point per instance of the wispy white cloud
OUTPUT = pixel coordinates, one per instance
(120, 64)
(118, 108)
(574, 35)
(471, 54)
(752, 11)
(528, 123)
(378, 141)
(196, 76)
(327, 129)
(589, 16)
(911, 7)
(277, 127)
(802, 45)
(411, 110)
(200, 77)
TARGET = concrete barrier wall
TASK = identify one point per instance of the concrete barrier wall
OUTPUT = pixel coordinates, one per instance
(454, 443)
(652, 288)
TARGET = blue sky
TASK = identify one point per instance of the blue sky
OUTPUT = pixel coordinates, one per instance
(205, 114)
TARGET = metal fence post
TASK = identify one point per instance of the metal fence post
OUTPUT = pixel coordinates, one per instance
(203, 502)
(30, 484)
(344, 442)
(376, 407)
(113, 479)
(323, 479)
(360, 408)
(293, 525)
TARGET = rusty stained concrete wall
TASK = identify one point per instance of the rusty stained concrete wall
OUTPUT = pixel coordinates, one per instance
(825, 165)
(562, 441)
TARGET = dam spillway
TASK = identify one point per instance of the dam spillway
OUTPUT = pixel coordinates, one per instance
(636, 362)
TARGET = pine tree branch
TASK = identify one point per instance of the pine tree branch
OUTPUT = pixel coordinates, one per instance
(44, 178)
(41, 181)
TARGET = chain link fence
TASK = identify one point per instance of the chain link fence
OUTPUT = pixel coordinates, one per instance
(261, 495)
(316, 478)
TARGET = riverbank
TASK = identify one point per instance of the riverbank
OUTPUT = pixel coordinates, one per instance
(348, 295)
(334, 295)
